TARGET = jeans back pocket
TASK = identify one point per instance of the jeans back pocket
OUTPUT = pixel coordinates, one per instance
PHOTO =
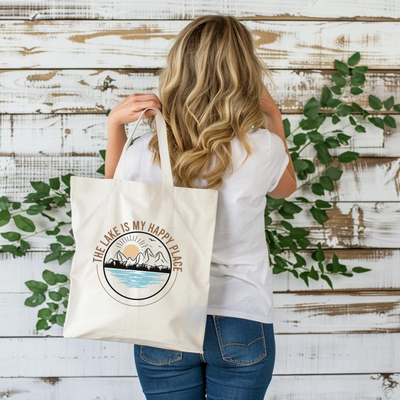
(241, 341)
(158, 356)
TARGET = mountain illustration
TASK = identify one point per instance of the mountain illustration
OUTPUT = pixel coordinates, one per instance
(146, 261)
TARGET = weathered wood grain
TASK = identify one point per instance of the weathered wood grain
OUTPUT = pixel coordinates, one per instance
(140, 44)
(351, 225)
(300, 387)
(154, 9)
(364, 353)
(384, 274)
(86, 134)
(94, 91)
(295, 313)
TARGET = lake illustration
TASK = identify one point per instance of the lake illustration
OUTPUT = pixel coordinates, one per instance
(137, 265)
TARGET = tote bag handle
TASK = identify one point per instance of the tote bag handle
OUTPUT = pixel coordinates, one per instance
(163, 146)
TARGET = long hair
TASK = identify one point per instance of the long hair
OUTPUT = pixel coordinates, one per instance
(210, 92)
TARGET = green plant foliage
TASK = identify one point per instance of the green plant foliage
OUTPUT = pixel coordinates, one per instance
(282, 236)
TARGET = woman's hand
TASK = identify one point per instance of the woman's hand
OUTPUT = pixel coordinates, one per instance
(129, 109)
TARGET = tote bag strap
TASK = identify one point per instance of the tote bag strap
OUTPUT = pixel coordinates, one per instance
(163, 146)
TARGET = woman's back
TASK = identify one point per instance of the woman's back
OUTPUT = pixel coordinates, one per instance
(240, 277)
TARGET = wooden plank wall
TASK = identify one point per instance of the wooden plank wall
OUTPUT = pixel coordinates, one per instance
(62, 64)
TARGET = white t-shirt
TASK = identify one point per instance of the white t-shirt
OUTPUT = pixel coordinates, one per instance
(241, 276)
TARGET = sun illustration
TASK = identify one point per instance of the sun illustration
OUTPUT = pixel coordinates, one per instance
(131, 251)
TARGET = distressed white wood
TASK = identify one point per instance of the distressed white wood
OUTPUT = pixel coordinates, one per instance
(86, 134)
(155, 9)
(92, 91)
(303, 312)
(141, 43)
(300, 354)
(364, 225)
(374, 179)
(299, 387)
(384, 274)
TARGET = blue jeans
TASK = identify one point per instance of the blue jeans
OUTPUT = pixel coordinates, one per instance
(239, 357)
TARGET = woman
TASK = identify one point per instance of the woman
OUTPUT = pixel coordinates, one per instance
(214, 102)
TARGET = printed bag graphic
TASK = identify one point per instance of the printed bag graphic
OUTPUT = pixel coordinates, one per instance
(141, 268)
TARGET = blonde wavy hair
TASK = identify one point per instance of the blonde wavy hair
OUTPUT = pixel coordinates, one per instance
(210, 92)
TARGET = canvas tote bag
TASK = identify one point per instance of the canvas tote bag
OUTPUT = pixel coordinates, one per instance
(141, 268)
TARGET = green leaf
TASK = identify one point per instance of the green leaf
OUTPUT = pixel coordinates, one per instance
(36, 286)
(325, 96)
(335, 119)
(317, 189)
(311, 108)
(304, 277)
(65, 240)
(102, 154)
(343, 110)
(41, 187)
(315, 137)
(348, 156)
(63, 291)
(66, 179)
(49, 277)
(327, 183)
(354, 59)
(300, 165)
(323, 154)
(52, 256)
(396, 107)
(35, 209)
(291, 208)
(42, 324)
(313, 274)
(35, 300)
(16, 205)
(5, 217)
(357, 80)
(299, 139)
(308, 124)
(55, 296)
(355, 90)
(333, 102)
(359, 270)
(319, 215)
(23, 223)
(11, 236)
(341, 67)
(327, 279)
(60, 319)
(286, 127)
(61, 278)
(339, 80)
(53, 306)
(322, 204)
(24, 245)
(360, 128)
(53, 232)
(55, 183)
(66, 256)
(377, 121)
(388, 103)
(336, 90)
(4, 203)
(44, 313)
(389, 121)
(374, 102)
(334, 173)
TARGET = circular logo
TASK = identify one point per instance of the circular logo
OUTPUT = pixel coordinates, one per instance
(136, 266)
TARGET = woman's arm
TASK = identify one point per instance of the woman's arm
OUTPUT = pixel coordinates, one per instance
(128, 110)
(273, 122)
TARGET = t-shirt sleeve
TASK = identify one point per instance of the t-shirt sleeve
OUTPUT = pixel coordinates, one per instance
(278, 160)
